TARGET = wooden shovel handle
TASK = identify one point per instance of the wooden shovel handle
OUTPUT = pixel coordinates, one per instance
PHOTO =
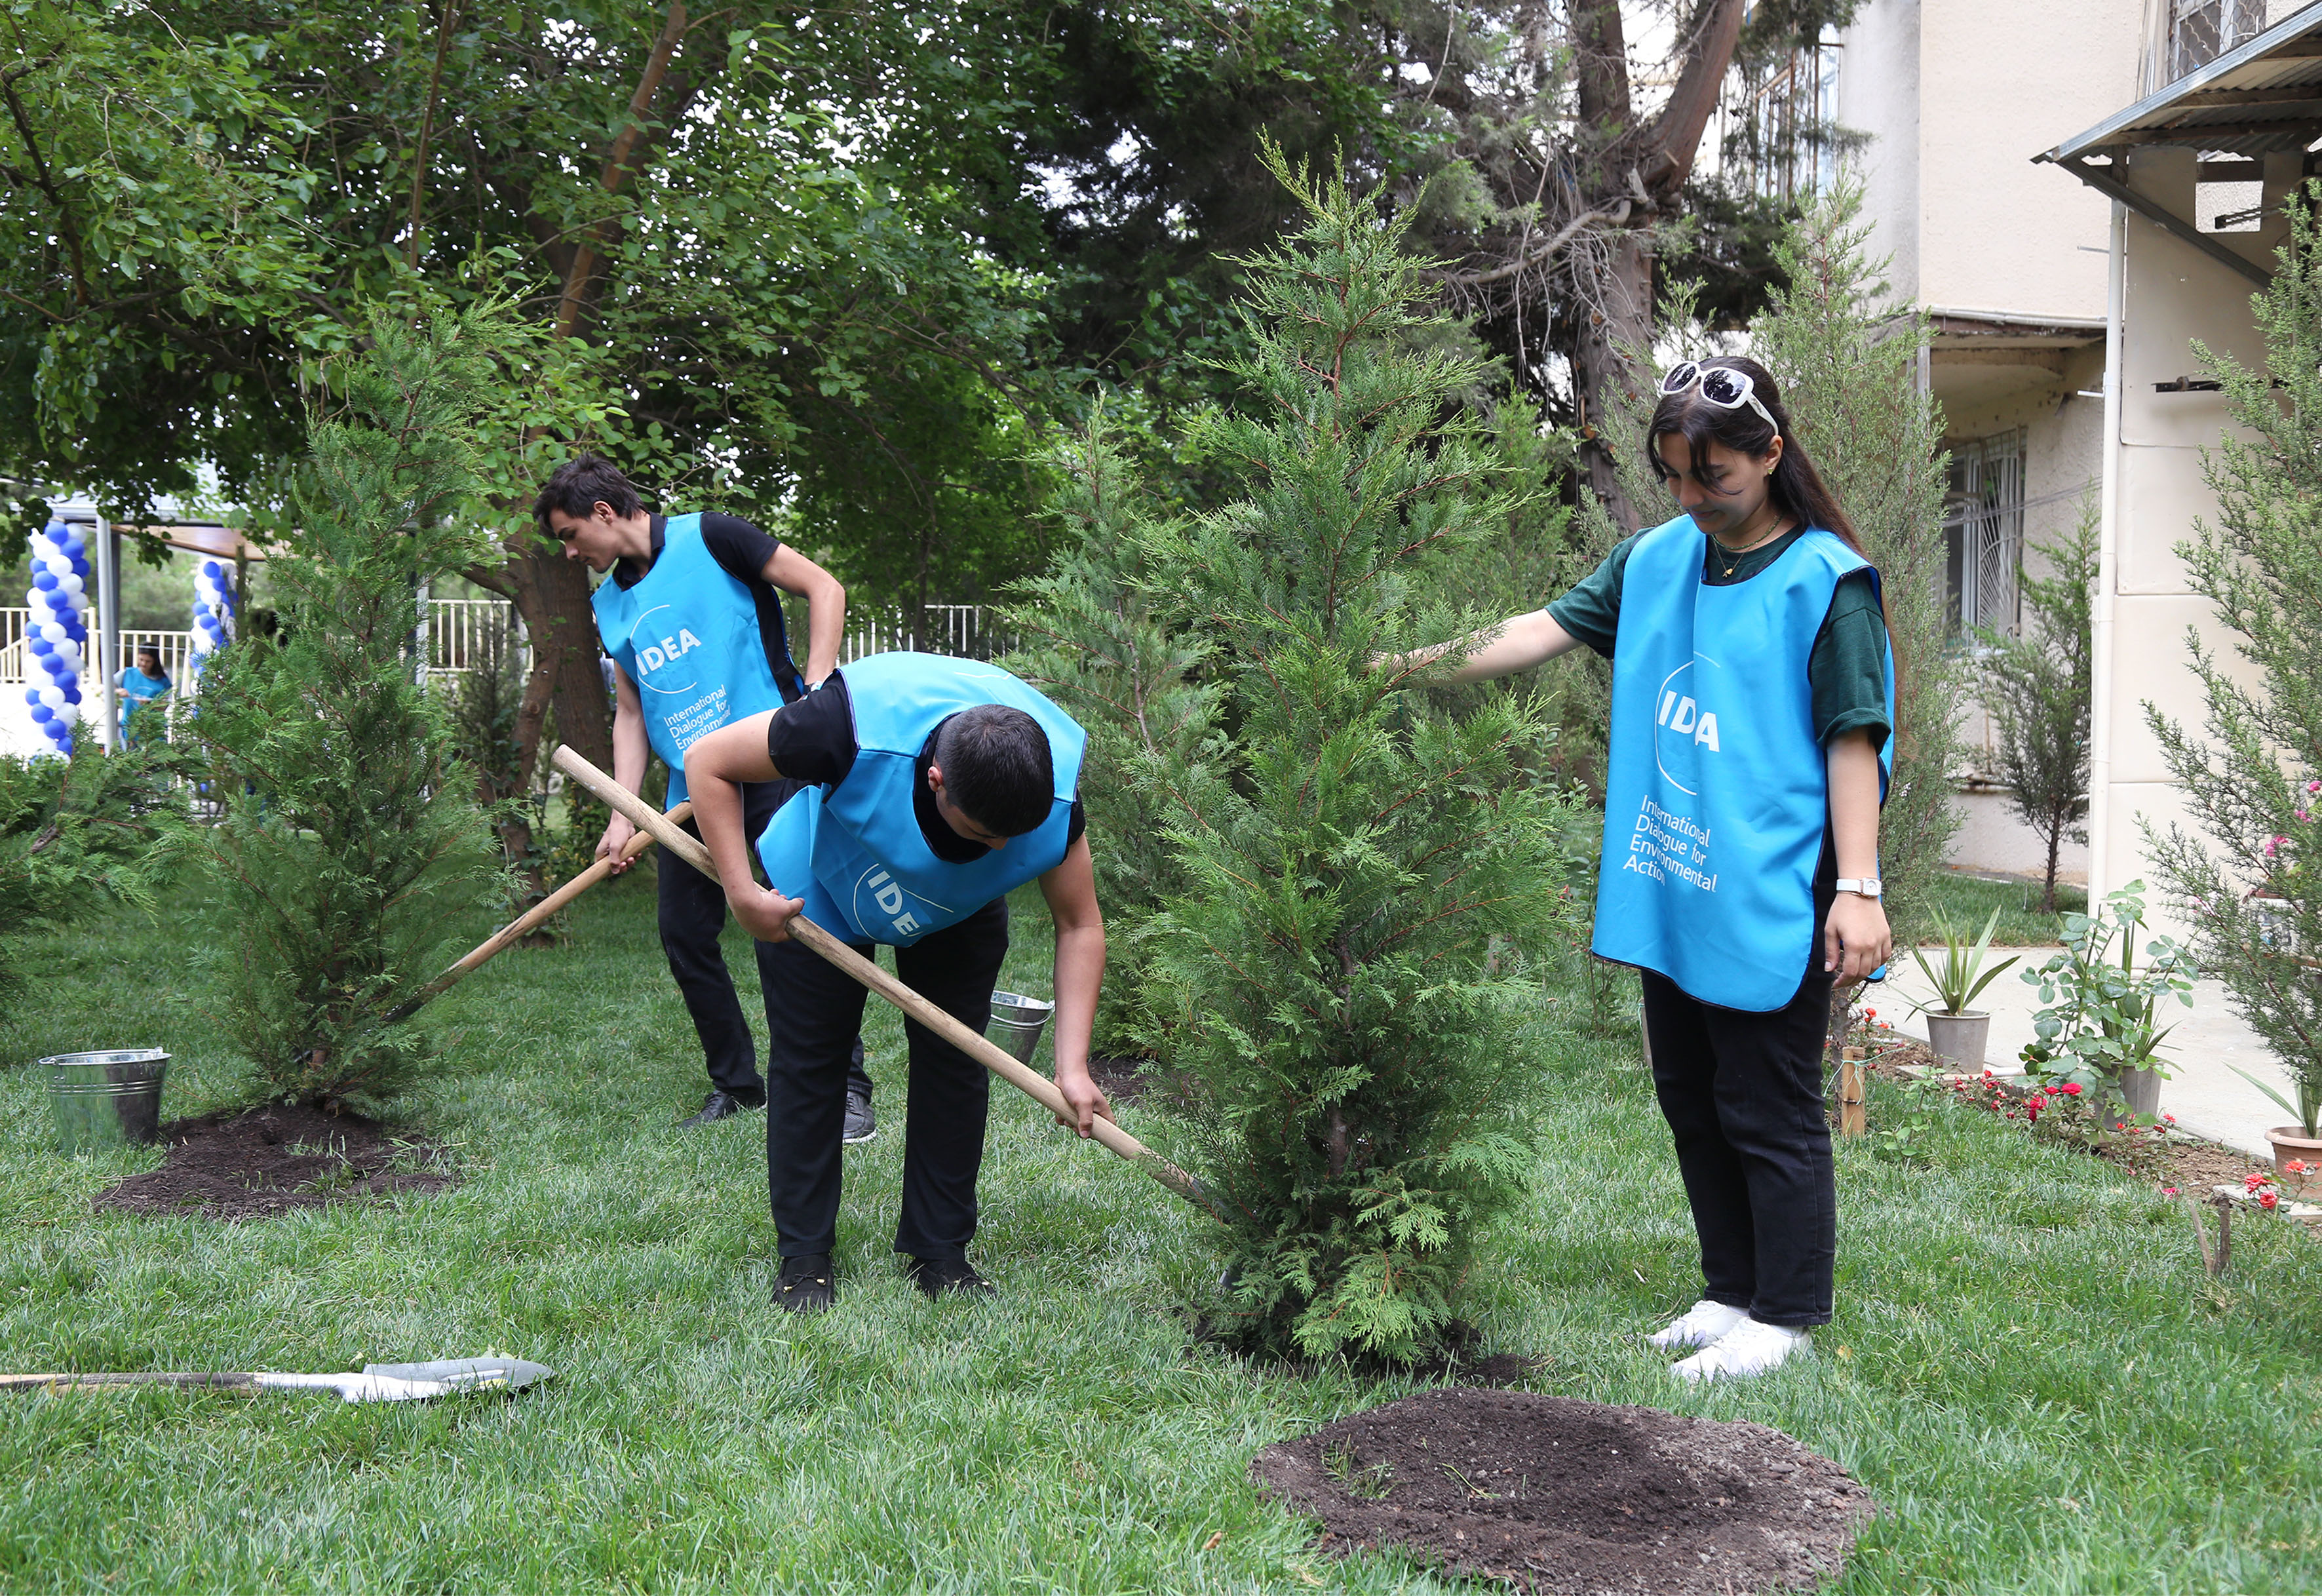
(525, 924)
(984, 1052)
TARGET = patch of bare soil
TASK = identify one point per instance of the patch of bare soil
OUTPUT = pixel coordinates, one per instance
(1574, 1497)
(269, 1161)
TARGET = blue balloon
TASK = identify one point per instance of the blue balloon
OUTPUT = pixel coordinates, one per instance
(42, 714)
(39, 644)
(45, 580)
(72, 695)
(210, 569)
(56, 531)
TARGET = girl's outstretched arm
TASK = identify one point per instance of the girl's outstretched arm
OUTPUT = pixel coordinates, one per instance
(1516, 644)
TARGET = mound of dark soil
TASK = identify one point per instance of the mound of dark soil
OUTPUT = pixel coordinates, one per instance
(270, 1161)
(1121, 1081)
(1574, 1497)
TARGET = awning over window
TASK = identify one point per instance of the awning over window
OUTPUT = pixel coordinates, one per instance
(2260, 99)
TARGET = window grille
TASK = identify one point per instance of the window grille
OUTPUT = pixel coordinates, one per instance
(2201, 30)
(1984, 530)
(1787, 116)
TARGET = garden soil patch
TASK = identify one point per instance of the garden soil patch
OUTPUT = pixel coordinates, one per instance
(270, 1161)
(1574, 1498)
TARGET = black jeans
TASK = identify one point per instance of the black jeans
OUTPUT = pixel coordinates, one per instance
(943, 1131)
(692, 912)
(1742, 1094)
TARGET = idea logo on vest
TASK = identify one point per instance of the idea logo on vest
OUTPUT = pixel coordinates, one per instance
(652, 657)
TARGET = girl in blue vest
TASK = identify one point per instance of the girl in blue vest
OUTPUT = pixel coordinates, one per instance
(1752, 705)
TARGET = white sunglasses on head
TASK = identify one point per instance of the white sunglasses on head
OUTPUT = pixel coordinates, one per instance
(1721, 386)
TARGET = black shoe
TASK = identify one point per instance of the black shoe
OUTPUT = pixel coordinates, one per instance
(808, 1285)
(722, 1104)
(949, 1277)
(862, 1124)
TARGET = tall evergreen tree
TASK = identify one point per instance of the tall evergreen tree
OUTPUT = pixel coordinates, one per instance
(2038, 689)
(352, 840)
(1848, 367)
(1343, 978)
(2249, 878)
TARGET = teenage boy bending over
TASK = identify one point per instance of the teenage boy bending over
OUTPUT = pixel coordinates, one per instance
(937, 785)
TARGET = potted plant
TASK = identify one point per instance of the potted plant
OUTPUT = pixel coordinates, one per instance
(2298, 1147)
(2101, 1027)
(1955, 1032)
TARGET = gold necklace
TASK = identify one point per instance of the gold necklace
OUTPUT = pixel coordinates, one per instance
(1734, 554)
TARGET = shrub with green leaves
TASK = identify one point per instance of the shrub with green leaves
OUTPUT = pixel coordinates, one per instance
(352, 843)
(1345, 979)
(75, 832)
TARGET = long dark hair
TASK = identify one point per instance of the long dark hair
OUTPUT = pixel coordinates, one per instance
(1798, 488)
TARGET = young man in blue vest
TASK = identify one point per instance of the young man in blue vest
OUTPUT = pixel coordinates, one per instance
(938, 786)
(691, 618)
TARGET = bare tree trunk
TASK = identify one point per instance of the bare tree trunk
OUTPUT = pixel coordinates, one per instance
(1621, 319)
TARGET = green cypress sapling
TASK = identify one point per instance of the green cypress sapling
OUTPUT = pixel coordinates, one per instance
(351, 842)
(1344, 980)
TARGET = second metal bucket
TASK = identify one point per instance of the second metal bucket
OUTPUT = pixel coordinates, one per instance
(1016, 1020)
(108, 1098)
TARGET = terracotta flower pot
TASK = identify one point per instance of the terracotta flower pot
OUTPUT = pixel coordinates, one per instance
(1958, 1039)
(2291, 1145)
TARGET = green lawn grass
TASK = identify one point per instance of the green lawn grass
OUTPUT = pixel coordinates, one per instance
(2028, 1367)
(1968, 900)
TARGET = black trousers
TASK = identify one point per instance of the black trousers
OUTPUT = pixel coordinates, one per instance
(951, 1093)
(1742, 1094)
(693, 913)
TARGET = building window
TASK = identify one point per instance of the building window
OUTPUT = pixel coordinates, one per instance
(1983, 525)
(2201, 30)
(1784, 132)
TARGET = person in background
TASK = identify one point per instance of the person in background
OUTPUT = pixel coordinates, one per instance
(1753, 698)
(691, 616)
(145, 683)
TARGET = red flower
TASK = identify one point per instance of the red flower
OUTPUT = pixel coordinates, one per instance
(2250, 1182)
(2168, 1191)
(2070, 1088)
(2296, 1165)
(2268, 1199)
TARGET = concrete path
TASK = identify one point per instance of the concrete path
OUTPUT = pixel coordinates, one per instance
(2207, 1097)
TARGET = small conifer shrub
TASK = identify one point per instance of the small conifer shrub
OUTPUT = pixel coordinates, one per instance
(351, 844)
(1345, 979)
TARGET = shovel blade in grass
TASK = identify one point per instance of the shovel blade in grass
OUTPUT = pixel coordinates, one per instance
(374, 1382)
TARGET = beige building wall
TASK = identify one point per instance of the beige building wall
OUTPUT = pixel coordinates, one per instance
(2174, 295)
(1956, 95)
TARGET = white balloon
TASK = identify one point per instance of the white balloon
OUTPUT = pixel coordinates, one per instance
(70, 584)
(54, 697)
(53, 630)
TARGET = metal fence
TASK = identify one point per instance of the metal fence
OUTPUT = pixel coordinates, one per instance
(461, 633)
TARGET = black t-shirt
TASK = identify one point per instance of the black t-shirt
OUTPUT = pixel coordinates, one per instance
(813, 741)
(741, 551)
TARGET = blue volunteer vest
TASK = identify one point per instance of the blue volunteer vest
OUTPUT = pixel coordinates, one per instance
(854, 850)
(1716, 793)
(686, 634)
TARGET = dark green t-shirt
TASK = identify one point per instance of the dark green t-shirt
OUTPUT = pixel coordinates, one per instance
(1847, 671)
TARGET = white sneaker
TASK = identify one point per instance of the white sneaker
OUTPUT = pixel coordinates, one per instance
(1704, 1324)
(1749, 1348)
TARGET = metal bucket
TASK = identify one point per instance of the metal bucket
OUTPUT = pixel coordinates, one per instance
(1016, 1023)
(106, 1099)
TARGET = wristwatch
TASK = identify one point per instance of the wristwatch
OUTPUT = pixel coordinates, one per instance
(1867, 887)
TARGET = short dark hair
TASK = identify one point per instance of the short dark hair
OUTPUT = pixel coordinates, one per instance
(997, 769)
(582, 483)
